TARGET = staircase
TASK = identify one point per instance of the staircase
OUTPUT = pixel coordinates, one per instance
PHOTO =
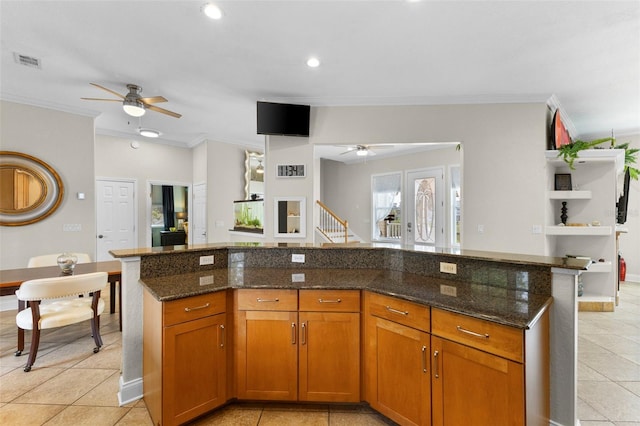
(332, 228)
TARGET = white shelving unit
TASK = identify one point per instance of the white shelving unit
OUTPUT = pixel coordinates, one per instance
(592, 207)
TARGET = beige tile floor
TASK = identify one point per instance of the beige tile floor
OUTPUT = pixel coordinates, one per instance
(69, 385)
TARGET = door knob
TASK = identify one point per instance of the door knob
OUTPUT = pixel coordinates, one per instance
(100, 236)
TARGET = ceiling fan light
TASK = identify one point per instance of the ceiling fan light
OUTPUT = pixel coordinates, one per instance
(212, 11)
(149, 133)
(362, 152)
(133, 108)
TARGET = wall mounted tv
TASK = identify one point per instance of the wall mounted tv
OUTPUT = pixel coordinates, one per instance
(283, 119)
(623, 201)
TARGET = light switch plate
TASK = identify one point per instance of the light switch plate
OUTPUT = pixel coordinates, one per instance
(297, 258)
(206, 260)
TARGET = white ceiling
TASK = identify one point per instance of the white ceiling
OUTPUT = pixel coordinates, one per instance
(586, 53)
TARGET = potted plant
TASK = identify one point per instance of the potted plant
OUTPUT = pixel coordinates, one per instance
(570, 152)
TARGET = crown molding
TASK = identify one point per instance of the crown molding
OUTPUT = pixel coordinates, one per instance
(554, 104)
(49, 105)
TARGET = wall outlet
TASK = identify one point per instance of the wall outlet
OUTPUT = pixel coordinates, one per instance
(71, 227)
(297, 258)
(480, 229)
(297, 278)
(206, 260)
(448, 268)
(206, 280)
(536, 229)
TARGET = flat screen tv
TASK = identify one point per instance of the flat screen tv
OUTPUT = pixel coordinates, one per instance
(283, 119)
(623, 201)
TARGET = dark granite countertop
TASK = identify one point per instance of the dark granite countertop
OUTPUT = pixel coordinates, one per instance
(496, 304)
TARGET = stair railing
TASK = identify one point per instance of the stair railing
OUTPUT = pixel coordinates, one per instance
(331, 224)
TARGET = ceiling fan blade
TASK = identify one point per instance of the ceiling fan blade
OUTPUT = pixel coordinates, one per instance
(348, 151)
(163, 111)
(108, 90)
(380, 146)
(153, 100)
(100, 99)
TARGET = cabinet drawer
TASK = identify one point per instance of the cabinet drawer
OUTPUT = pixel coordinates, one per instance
(191, 308)
(330, 300)
(400, 311)
(488, 336)
(267, 300)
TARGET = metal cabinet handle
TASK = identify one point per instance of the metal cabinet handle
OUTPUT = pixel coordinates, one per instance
(223, 336)
(424, 359)
(303, 338)
(329, 301)
(206, 305)
(293, 333)
(472, 333)
(396, 311)
(436, 367)
(267, 300)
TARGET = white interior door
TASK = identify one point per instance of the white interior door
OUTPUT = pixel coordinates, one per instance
(198, 219)
(425, 207)
(115, 217)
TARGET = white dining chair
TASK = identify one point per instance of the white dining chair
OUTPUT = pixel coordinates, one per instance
(52, 259)
(60, 312)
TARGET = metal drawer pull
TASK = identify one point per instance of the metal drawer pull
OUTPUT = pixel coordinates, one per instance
(206, 305)
(222, 336)
(293, 333)
(395, 311)
(303, 339)
(435, 365)
(473, 333)
(424, 359)
(329, 301)
(267, 300)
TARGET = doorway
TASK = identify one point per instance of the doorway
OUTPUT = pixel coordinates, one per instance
(115, 217)
(168, 212)
(425, 207)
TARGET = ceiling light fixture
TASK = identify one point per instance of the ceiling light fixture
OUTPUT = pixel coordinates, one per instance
(149, 133)
(212, 11)
(260, 167)
(362, 152)
(313, 62)
(133, 107)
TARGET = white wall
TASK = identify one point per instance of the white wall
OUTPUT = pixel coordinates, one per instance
(353, 201)
(503, 177)
(116, 159)
(630, 242)
(65, 142)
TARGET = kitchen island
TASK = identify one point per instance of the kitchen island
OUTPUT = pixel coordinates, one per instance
(505, 289)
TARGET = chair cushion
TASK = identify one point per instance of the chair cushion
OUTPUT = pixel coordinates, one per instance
(59, 313)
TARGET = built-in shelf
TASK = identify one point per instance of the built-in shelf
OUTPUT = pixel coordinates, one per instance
(578, 230)
(590, 156)
(569, 195)
(600, 267)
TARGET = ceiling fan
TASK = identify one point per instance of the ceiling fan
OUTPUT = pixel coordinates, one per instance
(365, 150)
(134, 104)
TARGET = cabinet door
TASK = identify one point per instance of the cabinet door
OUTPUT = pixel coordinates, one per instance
(329, 357)
(267, 355)
(398, 362)
(194, 368)
(473, 387)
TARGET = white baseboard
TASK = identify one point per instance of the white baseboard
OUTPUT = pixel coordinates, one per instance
(635, 278)
(130, 391)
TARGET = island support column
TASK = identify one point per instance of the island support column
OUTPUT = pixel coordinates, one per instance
(131, 377)
(564, 347)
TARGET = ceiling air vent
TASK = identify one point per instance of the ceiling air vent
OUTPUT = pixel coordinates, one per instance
(28, 61)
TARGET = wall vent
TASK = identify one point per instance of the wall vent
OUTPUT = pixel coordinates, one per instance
(28, 61)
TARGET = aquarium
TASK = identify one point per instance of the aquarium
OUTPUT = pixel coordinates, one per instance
(248, 216)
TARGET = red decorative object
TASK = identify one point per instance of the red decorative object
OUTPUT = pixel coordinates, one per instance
(559, 132)
(623, 269)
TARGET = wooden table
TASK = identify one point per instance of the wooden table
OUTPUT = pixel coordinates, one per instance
(10, 279)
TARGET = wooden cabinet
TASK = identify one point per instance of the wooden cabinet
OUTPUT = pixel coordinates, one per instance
(184, 359)
(313, 355)
(329, 346)
(267, 344)
(485, 373)
(397, 353)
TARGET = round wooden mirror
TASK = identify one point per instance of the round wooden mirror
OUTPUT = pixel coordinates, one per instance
(30, 189)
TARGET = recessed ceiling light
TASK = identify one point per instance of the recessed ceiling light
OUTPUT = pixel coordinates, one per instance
(149, 133)
(313, 62)
(212, 11)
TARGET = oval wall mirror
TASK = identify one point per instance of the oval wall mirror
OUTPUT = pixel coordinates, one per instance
(30, 189)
